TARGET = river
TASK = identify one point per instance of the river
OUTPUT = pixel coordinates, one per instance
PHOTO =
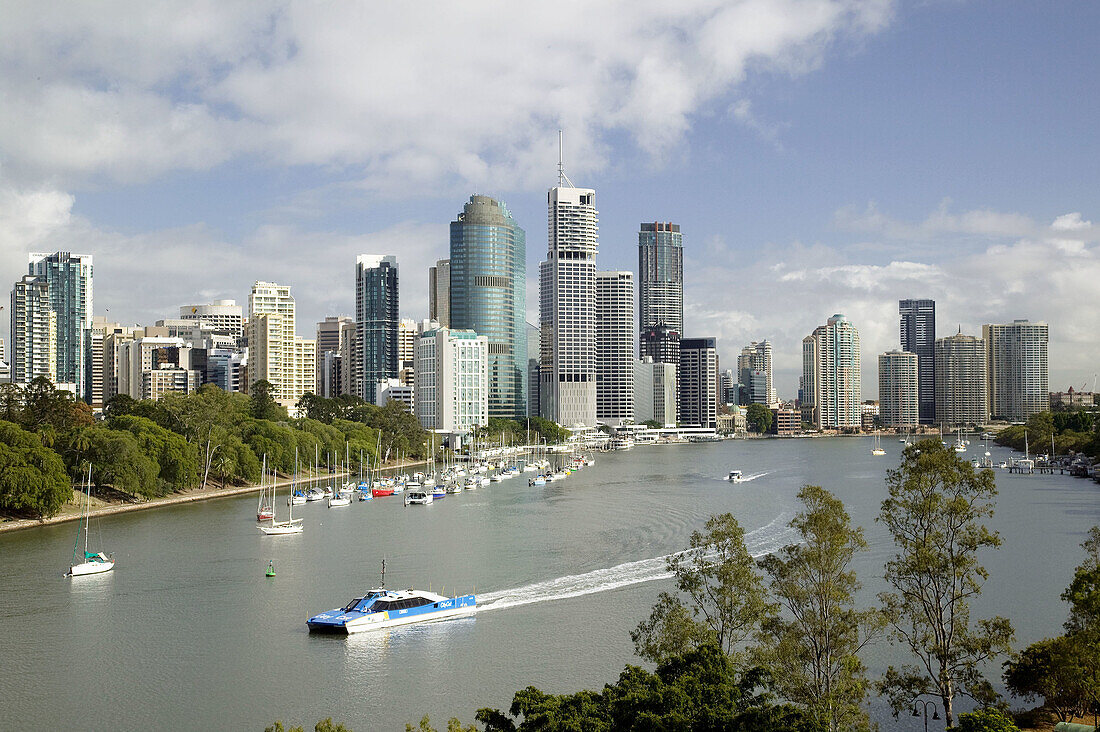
(187, 633)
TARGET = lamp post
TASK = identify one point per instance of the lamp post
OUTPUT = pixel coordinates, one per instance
(921, 705)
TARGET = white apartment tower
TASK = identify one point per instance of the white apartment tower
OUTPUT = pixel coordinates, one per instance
(451, 391)
(33, 331)
(567, 307)
(407, 333)
(831, 379)
(897, 390)
(275, 353)
(757, 356)
(1016, 367)
(961, 381)
(221, 315)
(615, 347)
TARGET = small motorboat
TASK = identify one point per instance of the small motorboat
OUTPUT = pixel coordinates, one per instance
(418, 498)
(339, 501)
(735, 476)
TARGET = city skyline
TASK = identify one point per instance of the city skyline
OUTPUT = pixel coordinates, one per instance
(827, 157)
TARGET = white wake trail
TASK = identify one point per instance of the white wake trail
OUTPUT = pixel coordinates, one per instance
(761, 541)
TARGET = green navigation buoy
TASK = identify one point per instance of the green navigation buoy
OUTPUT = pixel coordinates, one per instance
(270, 569)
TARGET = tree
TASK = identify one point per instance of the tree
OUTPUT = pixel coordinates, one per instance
(758, 417)
(261, 405)
(727, 599)
(178, 460)
(32, 477)
(11, 403)
(1061, 670)
(986, 719)
(453, 725)
(118, 461)
(1083, 593)
(935, 513)
(814, 651)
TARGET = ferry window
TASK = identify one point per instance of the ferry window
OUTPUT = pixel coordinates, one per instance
(351, 605)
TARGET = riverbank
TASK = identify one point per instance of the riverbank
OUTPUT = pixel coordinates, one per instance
(72, 511)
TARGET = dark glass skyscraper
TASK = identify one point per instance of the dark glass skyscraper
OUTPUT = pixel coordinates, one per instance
(376, 321)
(660, 277)
(918, 335)
(488, 295)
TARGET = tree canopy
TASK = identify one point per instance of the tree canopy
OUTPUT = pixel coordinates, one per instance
(758, 417)
(33, 480)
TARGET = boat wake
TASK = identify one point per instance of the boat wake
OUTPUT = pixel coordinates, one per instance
(759, 542)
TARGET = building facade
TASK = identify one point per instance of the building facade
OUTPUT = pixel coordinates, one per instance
(221, 315)
(376, 318)
(660, 276)
(655, 392)
(831, 379)
(961, 399)
(326, 360)
(452, 380)
(1016, 366)
(439, 293)
(615, 348)
(757, 357)
(898, 390)
(33, 331)
(69, 282)
(275, 353)
(488, 290)
(567, 307)
(918, 335)
(697, 379)
(661, 343)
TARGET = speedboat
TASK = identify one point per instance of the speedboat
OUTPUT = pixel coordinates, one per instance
(735, 476)
(339, 500)
(315, 494)
(439, 492)
(381, 608)
(418, 498)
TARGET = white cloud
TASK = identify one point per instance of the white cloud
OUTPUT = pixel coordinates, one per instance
(404, 96)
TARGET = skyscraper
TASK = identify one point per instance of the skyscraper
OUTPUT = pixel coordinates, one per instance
(567, 304)
(452, 380)
(697, 380)
(1016, 367)
(33, 331)
(488, 294)
(961, 381)
(275, 353)
(376, 319)
(831, 374)
(439, 293)
(407, 333)
(660, 343)
(327, 362)
(661, 276)
(615, 347)
(757, 357)
(69, 281)
(223, 315)
(897, 389)
(918, 335)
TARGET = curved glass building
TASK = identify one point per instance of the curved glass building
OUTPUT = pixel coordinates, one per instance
(488, 296)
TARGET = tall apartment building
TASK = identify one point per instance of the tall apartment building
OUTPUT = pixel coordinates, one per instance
(452, 380)
(407, 333)
(488, 289)
(660, 276)
(918, 335)
(697, 380)
(655, 392)
(275, 353)
(69, 280)
(757, 357)
(567, 307)
(831, 379)
(961, 377)
(221, 315)
(615, 347)
(897, 390)
(1016, 366)
(326, 362)
(661, 343)
(33, 331)
(376, 317)
(439, 292)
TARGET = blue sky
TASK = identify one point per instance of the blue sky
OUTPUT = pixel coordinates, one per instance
(821, 155)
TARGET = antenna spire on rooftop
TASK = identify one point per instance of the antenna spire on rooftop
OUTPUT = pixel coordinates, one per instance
(562, 177)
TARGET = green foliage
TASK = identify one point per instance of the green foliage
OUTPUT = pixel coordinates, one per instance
(45, 405)
(401, 432)
(758, 417)
(726, 596)
(1073, 431)
(653, 424)
(1063, 671)
(178, 461)
(325, 725)
(1083, 593)
(453, 725)
(541, 430)
(813, 650)
(935, 514)
(261, 405)
(986, 719)
(33, 480)
(119, 461)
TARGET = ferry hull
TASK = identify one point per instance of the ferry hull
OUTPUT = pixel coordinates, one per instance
(336, 621)
(86, 568)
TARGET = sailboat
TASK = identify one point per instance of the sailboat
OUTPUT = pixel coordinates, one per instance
(265, 507)
(291, 525)
(877, 449)
(94, 562)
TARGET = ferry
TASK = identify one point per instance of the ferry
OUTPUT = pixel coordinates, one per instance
(381, 608)
(735, 476)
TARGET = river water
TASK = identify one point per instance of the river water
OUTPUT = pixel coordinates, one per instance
(187, 633)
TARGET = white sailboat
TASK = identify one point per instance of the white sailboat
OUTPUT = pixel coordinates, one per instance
(94, 562)
(291, 525)
(877, 449)
(265, 507)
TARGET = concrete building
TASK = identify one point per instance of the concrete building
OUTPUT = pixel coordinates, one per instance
(452, 380)
(757, 383)
(787, 421)
(376, 317)
(655, 392)
(533, 348)
(660, 343)
(33, 331)
(757, 357)
(488, 283)
(961, 376)
(393, 389)
(1072, 399)
(1016, 365)
(615, 348)
(138, 356)
(567, 307)
(168, 379)
(918, 335)
(831, 379)
(275, 353)
(69, 284)
(407, 333)
(660, 276)
(326, 361)
(439, 292)
(697, 377)
(898, 390)
(221, 315)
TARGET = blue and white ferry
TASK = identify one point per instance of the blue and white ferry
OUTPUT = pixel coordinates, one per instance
(381, 608)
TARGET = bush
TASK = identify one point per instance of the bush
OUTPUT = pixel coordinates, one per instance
(986, 719)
